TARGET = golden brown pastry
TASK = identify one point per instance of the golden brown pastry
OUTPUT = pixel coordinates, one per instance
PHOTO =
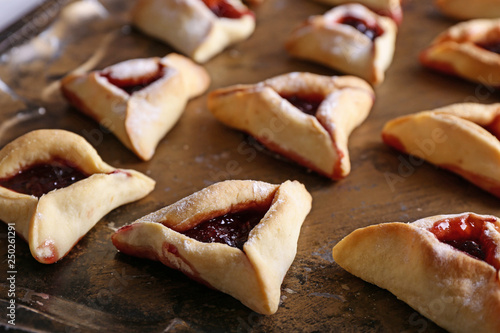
(305, 117)
(445, 267)
(390, 8)
(469, 50)
(139, 100)
(348, 38)
(54, 187)
(457, 137)
(466, 10)
(239, 237)
(199, 29)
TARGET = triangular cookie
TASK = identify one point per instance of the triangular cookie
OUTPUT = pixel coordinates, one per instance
(305, 117)
(139, 100)
(54, 187)
(239, 237)
(445, 267)
(199, 29)
(457, 137)
(348, 38)
(469, 50)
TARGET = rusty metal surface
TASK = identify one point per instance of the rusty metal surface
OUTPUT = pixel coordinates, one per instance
(95, 288)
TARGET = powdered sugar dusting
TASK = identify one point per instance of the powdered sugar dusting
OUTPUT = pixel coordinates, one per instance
(474, 303)
(133, 68)
(149, 114)
(259, 189)
(187, 245)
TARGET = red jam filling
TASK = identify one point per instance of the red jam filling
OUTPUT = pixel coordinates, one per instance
(222, 8)
(231, 229)
(371, 32)
(42, 178)
(133, 84)
(468, 233)
(306, 103)
(492, 47)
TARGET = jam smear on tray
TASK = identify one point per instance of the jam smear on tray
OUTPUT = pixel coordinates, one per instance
(222, 8)
(307, 103)
(133, 84)
(468, 233)
(42, 178)
(371, 32)
(491, 46)
(231, 229)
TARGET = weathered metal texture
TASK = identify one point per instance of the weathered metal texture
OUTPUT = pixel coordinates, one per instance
(95, 288)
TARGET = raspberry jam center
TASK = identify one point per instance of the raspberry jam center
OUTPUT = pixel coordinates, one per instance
(307, 103)
(135, 83)
(231, 229)
(492, 47)
(371, 32)
(222, 8)
(469, 234)
(42, 178)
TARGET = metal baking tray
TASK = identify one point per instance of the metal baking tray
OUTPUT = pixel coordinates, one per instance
(95, 288)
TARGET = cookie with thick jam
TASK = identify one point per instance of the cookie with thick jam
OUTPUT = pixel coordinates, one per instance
(140, 100)
(55, 188)
(239, 237)
(199, 29)
(469, 50)
(434, 135)
(303, 116)
(445, 262)
(349, 38)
